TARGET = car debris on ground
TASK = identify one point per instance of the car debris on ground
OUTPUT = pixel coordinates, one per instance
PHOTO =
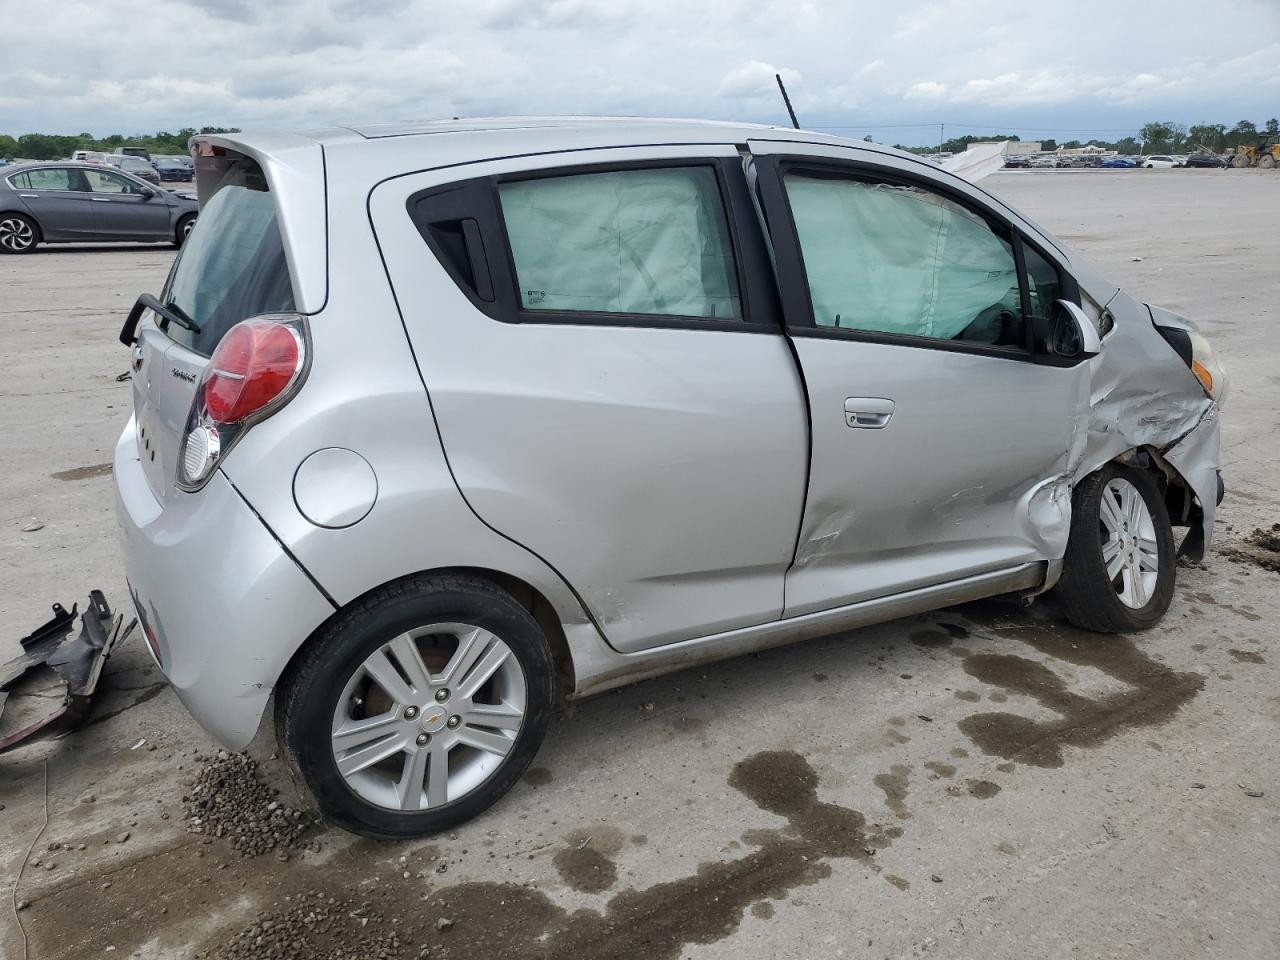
(77, 661)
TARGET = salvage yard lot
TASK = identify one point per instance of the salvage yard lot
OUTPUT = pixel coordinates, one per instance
(982, 781)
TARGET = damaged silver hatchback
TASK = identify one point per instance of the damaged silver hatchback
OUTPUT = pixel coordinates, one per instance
(434, 423)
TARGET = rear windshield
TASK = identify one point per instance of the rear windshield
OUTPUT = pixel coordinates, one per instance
(232, 267)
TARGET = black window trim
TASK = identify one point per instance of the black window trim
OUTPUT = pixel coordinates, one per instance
(797, 302)
(77, 176)
(760, 311)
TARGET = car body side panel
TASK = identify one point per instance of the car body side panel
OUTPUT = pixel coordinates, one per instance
(660, 470)
(62, 214)
(966, 477)
(364, 393)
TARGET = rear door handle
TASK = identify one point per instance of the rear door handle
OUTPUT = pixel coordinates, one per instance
(869, 413)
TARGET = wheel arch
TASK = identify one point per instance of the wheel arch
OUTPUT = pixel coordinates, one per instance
(523, 592)
(31, 218)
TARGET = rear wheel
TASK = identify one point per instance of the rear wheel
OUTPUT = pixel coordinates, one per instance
(18, 234)
(183, 229)
(418, 707)
(1119, 569)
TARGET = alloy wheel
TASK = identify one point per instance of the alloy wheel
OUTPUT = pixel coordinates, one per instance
(429, 716)
(16, 234)
(1130, 550)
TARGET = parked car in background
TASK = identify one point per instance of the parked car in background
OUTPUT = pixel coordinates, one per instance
(171, 169)
(1206, 160)
(1120, 162)
(1159, 162)
(134, 165)
(63, 202)
(775, 417)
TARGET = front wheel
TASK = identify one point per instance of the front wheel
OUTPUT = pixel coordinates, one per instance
(419, 706)
(1119, 569)
(183, 230)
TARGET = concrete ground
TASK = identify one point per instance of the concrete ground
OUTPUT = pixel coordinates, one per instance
(832, 799)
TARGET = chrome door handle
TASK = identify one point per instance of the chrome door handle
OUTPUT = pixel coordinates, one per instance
(869, 413)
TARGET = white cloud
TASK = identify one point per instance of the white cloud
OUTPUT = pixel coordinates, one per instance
(754, 78)
(877, 62)
(926, 90)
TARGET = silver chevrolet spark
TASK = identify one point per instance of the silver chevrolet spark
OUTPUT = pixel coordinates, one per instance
(435, 423)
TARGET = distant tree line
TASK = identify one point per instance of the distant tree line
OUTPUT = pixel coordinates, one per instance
(46, 146)
(1156, 137)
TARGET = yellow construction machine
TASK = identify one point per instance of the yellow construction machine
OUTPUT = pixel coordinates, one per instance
(1265, 153)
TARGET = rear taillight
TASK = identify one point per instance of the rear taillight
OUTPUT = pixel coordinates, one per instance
(255, 363)
(257, 367)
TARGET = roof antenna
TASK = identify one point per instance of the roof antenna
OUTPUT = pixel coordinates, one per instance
(787, 100)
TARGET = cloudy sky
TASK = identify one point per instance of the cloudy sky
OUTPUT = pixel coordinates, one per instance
(1041, 68)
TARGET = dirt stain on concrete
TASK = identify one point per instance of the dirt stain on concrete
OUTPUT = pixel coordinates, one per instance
(982, 789)
(83, 473)
(1155, 694)
(496, 921)
(585, 861)
(894, 785)
(931, 639)
(1246, 656)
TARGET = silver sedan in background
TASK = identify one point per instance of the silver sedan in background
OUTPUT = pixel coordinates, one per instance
(60, 202)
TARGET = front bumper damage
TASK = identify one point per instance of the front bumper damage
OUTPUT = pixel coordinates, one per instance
(76, 660)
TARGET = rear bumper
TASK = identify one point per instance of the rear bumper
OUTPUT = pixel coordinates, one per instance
(222, 605)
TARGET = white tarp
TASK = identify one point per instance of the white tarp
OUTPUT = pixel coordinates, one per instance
(631, 241)
(976, 162)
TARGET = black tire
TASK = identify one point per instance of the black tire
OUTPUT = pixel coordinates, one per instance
(309, 692)
(18, 233)
(1090, 598)
(182, 228)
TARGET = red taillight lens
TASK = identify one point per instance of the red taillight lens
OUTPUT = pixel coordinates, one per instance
(255, 362)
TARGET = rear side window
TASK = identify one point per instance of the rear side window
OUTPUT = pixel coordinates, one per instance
(233, 265)
(55, 178)
(643, 241)
(897, 259)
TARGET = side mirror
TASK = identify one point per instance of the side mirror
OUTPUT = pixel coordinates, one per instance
(1072, 335)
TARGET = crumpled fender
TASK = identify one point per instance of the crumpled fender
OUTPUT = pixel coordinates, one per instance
(1143, 396)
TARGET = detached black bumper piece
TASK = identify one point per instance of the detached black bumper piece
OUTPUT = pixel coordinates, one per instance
(77, 660)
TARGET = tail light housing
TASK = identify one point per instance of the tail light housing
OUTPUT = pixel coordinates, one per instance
(257, 367)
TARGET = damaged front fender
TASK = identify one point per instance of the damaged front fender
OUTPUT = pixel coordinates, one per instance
(1144, 397)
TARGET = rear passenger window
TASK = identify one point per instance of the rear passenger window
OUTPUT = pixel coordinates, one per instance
(643, 241)
(55, 178)
(898, 259)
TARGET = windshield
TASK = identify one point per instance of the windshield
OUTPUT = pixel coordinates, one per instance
(233, 265)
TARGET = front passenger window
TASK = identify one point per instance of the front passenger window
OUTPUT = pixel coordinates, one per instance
(102, 182)
(890, 258)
